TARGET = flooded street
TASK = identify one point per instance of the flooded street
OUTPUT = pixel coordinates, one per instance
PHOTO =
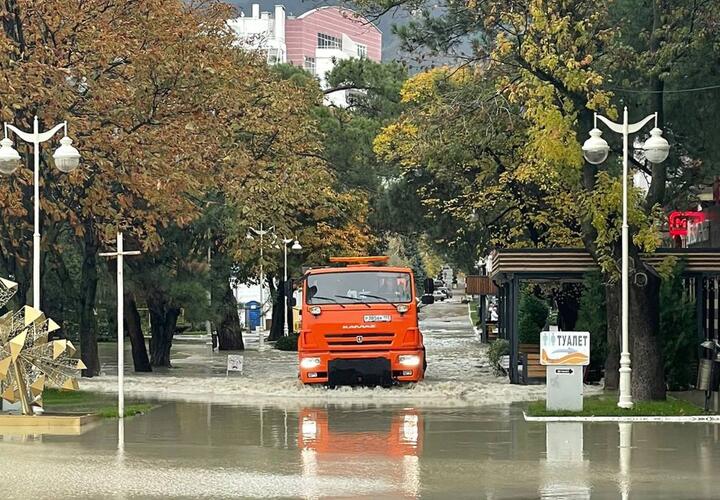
(458, 434)
(185, 450)
(457, 374)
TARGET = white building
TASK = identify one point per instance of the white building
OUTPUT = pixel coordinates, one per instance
(263, 31)
(314, 41)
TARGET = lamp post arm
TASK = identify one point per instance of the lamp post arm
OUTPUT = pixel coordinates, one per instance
(30, 137)
(615, 127)
(632, 128)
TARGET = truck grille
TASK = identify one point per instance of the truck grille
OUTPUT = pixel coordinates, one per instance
(349, 341)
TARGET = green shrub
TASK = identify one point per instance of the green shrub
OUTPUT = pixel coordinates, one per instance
(498, 348)
(289, 343)
(532, 316)
(677, 331)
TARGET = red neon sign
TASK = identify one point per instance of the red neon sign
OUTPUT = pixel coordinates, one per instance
(678, 221)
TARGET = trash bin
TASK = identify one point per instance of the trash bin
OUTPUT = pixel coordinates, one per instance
(708, 375)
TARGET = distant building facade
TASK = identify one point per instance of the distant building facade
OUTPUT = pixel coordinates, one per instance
(263, 31)
(315, 41)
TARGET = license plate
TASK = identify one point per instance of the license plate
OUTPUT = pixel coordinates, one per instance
(376, 318)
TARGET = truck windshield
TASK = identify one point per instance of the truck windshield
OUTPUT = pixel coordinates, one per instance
(370, 287)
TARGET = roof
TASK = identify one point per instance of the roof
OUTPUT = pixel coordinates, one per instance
(569, 263)
(341, 9)
(353, 269)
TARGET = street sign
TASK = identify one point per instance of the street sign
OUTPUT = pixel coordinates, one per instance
(564, 348)
(564, 354)
(235, 363)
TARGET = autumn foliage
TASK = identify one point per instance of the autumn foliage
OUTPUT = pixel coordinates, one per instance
(172, 120)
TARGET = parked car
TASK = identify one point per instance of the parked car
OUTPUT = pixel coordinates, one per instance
(438, 294)
(446, 291)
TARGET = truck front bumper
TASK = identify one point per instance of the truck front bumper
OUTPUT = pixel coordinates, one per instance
(370, 368)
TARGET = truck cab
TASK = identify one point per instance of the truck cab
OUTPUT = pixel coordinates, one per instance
(360, 325)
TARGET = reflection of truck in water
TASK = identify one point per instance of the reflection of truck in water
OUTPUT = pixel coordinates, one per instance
(360, 325)
(385, 446)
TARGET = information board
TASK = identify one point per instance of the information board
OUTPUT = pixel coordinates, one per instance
(235, 363)
(564, 348)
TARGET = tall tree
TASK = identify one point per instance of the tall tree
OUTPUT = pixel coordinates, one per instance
(553, 63)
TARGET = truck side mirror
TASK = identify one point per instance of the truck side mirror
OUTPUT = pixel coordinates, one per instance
(427, 299)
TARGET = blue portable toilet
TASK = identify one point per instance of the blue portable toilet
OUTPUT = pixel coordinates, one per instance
(252, 311)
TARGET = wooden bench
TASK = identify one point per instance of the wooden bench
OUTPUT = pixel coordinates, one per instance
(533, 372)
(492, 332)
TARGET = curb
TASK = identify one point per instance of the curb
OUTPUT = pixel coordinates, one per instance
(690, 419)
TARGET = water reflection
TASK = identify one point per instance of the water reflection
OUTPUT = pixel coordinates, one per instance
(565, 469)
(387, 447)
(326, 450)
(625, 452)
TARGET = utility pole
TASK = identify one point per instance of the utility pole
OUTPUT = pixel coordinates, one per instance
(119, 254)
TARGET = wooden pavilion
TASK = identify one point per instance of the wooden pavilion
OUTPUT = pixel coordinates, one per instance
(510, 267)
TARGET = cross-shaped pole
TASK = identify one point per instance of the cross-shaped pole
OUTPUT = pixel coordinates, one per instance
(119, 254)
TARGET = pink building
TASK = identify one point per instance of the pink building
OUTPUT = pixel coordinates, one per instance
(329, 32)
(314, 41)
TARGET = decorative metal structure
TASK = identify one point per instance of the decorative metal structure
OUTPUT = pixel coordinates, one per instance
(28, 360)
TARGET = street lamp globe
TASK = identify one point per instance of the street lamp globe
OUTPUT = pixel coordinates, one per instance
(66, 156)
(656, 148)
(9, 157)
(595, 149)
(296, 246)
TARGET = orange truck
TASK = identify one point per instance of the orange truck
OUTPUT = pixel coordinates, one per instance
(359, 324)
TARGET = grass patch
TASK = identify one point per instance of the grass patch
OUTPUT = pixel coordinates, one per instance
(130, 410)
(104, 405)
(605, 405)
(474, 314)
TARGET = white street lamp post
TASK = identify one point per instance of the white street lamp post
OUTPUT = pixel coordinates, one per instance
(119, 254)
(66, 159)
(261, 232)
(596, 150)
(296, 246)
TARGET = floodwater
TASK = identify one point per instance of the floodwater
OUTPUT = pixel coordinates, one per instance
(260, 434)
(190, 450)
(458, 373)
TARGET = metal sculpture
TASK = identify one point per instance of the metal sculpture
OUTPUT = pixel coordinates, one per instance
(28, 360)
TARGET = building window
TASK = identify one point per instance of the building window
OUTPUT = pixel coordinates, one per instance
(328, 42)
(362, 50)
(309, 65)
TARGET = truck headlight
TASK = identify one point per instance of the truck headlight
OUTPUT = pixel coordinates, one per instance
(309, 363)
(409, 360)
(315, 310)
(402, 308)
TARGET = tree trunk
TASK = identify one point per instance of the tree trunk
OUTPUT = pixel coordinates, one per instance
(648, 370)
(276, 329)
(612, 359)
(229, 332)
(568, 303)
(88, 291)
(163, 320)
(133, 325)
